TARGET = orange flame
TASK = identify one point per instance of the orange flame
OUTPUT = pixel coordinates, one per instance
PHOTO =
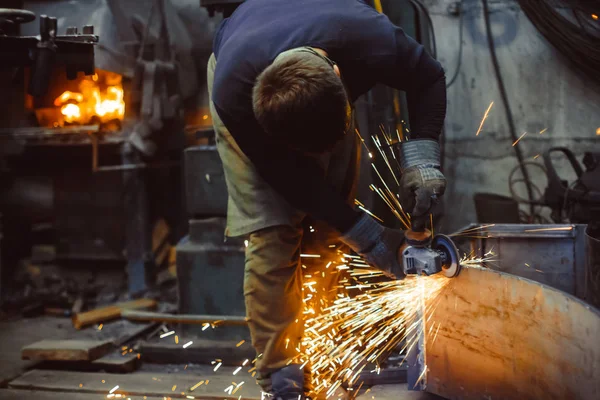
(81, 107)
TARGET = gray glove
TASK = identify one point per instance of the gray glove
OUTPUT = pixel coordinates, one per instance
(422, 181)
(377, 244)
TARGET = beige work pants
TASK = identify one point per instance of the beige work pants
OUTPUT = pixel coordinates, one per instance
(278, 234)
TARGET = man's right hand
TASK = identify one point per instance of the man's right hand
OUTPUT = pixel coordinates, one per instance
(378, 245)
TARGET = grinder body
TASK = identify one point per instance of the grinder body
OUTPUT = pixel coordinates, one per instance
(423, 254)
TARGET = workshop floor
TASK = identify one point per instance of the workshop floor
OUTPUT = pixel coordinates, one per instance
(20, 379)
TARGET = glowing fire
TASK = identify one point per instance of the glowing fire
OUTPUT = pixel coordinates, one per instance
(93, 103)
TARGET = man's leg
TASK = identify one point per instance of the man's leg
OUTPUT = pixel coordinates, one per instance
(273, 278)
(274, 306)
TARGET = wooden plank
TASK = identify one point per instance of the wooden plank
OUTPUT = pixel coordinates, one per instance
(15, 334)
(11, 394)
(143, 383)
(161, 256)
(66, 350)
(111, 363)
(135, 334)
(505, 337)
(160, 234)
(109, 313)
(201, 351)
(116, 362)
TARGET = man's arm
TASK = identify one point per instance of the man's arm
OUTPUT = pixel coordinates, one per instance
(423, 79)
(425, 85)
(398, 61)
(427, 103)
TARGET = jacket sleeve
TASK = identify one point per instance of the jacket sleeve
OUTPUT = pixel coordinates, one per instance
(384, 52)
(424, 81)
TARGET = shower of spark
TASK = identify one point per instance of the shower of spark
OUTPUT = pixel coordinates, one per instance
(389, 197)
(356, 332)
(472, 260)
(368, 317)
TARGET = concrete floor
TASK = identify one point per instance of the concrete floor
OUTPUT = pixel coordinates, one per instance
(15, 334)
(396, 392)
(18, 333)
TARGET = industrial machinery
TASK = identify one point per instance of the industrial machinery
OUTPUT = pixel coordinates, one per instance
(579, 200)
(74, 51)
(424, 255)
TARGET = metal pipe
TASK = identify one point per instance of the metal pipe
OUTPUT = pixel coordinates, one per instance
(147, 316)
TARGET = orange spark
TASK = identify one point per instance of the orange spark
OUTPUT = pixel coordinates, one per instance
(484, 118)
(519, 139)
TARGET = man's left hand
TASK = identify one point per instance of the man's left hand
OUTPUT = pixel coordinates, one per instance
(422, 181)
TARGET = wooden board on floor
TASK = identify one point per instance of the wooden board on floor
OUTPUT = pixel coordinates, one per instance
(111, 363)
(14, 334)
(66, 350)
(116, 362)
(201, 351)
(142, 383)
(10, 394)
(135, 333)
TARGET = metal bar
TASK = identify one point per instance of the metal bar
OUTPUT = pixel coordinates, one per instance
(147, 316)
(37, 131)
(522, 231)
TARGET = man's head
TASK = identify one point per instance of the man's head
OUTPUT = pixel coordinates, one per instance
(300, 101)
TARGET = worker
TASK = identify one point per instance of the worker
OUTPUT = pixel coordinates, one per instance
(282, 80)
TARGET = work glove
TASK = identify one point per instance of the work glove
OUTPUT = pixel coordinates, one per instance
(377, 244)
(422, 181)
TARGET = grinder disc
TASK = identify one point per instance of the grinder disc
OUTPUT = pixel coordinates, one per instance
(445, 245)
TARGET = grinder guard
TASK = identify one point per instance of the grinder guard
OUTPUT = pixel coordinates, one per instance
(449, 254)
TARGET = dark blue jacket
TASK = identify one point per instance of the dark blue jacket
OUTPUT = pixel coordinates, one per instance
(368, 49)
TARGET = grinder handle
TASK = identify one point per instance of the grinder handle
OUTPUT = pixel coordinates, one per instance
(417, 224)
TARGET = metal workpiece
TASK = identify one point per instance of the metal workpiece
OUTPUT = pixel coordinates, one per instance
(551, 254)
(500, 336)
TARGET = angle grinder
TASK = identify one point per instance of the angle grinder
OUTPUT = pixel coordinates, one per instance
(423, 254)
